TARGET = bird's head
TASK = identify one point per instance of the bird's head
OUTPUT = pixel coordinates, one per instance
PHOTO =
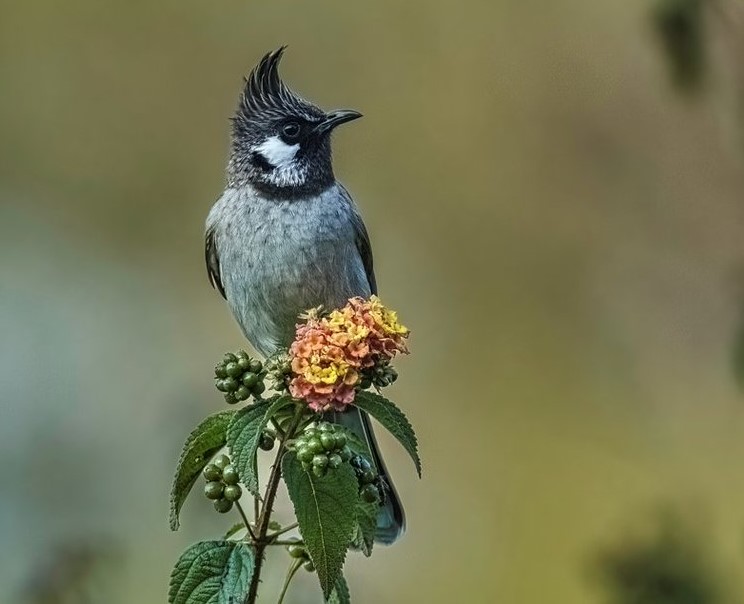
(281, 142)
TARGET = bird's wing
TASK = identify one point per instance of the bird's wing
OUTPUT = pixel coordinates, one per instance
(365, 250)
(213, 262)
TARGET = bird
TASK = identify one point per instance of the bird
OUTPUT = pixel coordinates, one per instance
(285, 236)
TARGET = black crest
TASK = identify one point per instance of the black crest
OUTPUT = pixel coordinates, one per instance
(266, 97)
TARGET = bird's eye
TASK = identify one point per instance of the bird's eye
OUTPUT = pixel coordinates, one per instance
(291, 130)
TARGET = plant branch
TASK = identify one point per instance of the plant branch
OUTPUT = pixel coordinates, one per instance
(268, 503)
(286, 529)
(245, 520)
(290, 574)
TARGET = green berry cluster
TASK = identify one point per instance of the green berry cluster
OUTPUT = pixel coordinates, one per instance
(239, 376)
(368, 479)
(222, 483)
(322, 448)
(380, 375)
(298, 550)
(279, 370)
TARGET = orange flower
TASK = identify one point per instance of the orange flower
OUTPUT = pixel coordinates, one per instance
(329, 352)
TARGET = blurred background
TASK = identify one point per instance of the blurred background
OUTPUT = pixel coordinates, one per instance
(554, 193)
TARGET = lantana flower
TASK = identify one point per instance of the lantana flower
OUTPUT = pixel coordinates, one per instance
(330, 352)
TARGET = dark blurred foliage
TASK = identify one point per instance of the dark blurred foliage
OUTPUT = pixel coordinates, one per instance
(679, 25)
(671, 565)
(74, 572)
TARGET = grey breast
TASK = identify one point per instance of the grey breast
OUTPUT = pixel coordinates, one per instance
(278, 258)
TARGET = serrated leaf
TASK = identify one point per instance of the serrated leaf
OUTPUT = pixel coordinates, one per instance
(212, 572)
(393, 419)
(326, 512)
(340, 593)
(244, 436)
(366, 527)
(206, 439)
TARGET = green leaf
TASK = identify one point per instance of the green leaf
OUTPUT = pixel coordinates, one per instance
(234, 529)
(213, 572)
(326, 512)
(340, 593)
(366, 527)
(391, 418)
(201, 445)
(244, 436)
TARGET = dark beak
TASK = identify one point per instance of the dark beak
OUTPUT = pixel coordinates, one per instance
(336, 118)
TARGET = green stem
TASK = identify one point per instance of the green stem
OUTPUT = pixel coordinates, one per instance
(286, 529)
(290, 574)
(245, 520)
(268, 503)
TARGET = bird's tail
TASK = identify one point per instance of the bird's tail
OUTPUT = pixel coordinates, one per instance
(391, 521)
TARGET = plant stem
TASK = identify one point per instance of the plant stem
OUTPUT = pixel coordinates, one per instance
(290, 574)
(245, 520)
(286, 529)
(268, 502)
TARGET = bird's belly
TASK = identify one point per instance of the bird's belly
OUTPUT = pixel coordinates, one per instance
(286, 276)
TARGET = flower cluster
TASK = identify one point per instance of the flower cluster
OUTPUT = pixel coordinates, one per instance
(330, 353)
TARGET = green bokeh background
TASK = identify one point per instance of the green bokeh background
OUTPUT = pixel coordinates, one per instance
(561, 231)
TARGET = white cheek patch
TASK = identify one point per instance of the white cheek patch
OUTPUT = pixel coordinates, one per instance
(278, 153)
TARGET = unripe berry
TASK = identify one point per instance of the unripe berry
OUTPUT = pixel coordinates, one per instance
(256, 366)
(221, 461)
(250, 380)
(230, 384)
(242, 393)
(222, 385)
(368, 476)
(304, 454)
(267, 441)
(345, 454)
(233, 370)
(334, 461)
(310, 433)
(219, 371)
(259, 388)
(244, 363)
(230, 398)
(230, 358)
(296, 551)
(328, 440)
(370, 493)
(230, 475)
(213, 490)
(340, 439)
(315, 445)
(309, 566)
(212, 472)
(319, 471)
(232, 492)
(325, 427)
(320, 461)
(223, 506)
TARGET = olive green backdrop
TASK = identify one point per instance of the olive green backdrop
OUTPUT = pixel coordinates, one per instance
(560, 229)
